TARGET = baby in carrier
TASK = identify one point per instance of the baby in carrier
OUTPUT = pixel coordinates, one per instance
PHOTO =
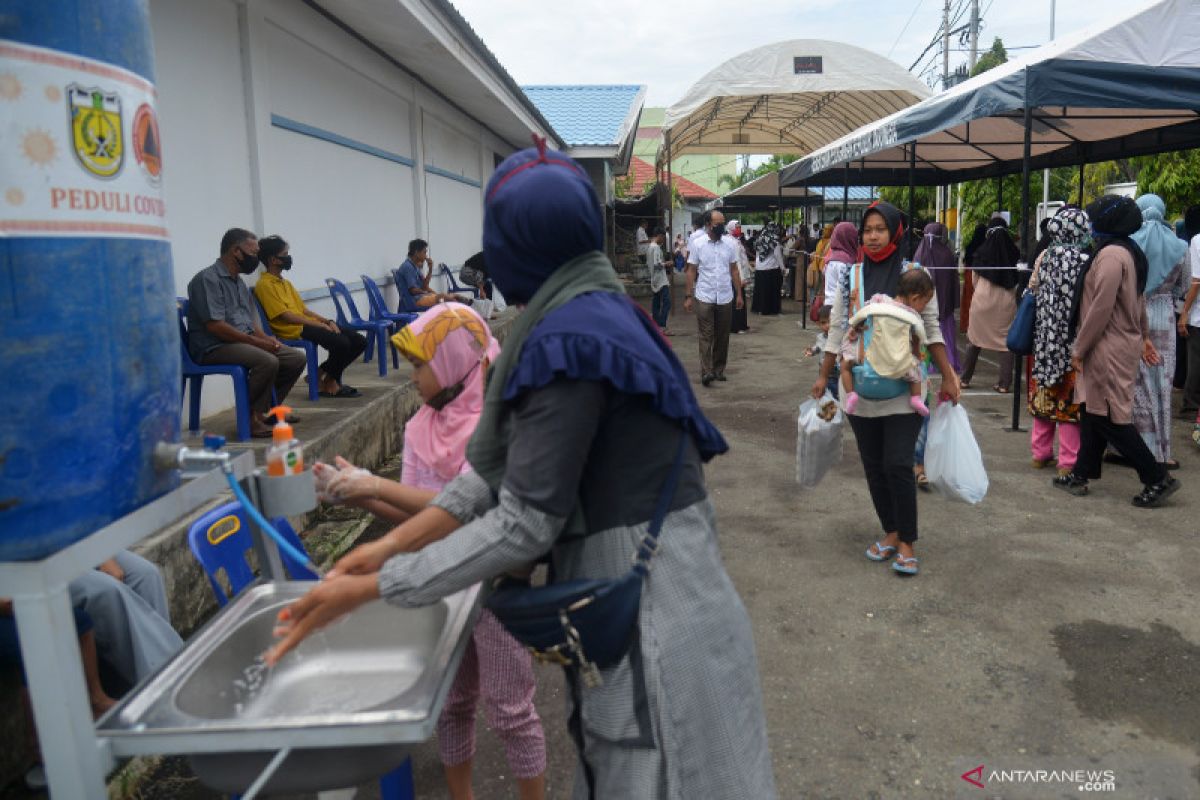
(882, 347)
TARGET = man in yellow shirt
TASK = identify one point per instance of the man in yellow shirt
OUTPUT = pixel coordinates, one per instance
(291, 319)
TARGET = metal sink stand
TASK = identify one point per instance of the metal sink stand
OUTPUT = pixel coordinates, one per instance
(77, 759)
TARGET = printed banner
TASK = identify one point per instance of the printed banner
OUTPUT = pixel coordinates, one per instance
(80, 153)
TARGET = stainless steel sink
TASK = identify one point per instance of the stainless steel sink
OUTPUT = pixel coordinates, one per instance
(349, 701)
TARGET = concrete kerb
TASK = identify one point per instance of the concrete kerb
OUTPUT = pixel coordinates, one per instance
(367, 436)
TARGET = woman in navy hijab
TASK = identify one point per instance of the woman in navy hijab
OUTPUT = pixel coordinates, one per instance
(585, 411)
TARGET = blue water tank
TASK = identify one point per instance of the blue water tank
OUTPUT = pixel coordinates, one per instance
(89, 342)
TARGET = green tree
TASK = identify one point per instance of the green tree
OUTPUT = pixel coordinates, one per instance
(925, 198)
(992, 58)
(1175, 177)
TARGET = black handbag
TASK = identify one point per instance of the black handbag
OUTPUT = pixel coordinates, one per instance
(588, 623)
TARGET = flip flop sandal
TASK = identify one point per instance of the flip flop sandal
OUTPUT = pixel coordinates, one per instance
(998, 389)
(882, 552)
(906, 566)
(345, 391)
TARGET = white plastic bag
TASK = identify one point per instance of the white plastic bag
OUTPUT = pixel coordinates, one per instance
(953, 462)
(818, 441)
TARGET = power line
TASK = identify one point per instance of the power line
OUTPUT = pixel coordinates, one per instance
(905, 28)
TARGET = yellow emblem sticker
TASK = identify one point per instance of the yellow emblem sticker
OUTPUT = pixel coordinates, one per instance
(96, 129)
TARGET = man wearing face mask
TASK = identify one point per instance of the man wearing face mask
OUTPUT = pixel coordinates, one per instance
(223, 328)
(714, 285)
(291, 319)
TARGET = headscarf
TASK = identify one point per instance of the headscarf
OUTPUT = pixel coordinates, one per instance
(973, 246)
(1058, 287)
(539, 219)
(822, 246)
(1191, 222)
(998, 255)
(843, 244)
(1114, 219)
(936, 256)
(458, 346)
(880, 271)
(1162, 247)
(768, 240)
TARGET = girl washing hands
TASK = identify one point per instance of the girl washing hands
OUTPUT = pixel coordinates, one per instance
(450, 348)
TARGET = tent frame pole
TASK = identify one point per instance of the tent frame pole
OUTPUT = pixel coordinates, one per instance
(1081, 166)
(912, 200)
(845, 191)
(1026, 252)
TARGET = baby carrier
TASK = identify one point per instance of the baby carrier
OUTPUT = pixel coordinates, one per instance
(885, 347)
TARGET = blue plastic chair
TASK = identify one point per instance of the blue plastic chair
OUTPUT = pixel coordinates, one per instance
(377, 330)
(219, 540)
(379, 309)
(448, 274)
(310, 353)
(195, 373)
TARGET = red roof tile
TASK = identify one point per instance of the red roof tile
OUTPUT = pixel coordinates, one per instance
(643, 173)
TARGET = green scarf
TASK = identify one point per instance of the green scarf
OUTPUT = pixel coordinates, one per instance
(488, 449)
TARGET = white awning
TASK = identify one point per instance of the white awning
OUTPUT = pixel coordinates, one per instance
(1114, 90)
(788, 97)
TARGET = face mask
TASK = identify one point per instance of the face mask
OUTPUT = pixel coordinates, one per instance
(247, 263)
(285, 262)
(718, 231)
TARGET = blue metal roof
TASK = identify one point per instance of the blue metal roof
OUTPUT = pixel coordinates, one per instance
(833, 194)
(586, 115)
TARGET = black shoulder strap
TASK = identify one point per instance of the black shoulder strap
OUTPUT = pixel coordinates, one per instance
(649, 543)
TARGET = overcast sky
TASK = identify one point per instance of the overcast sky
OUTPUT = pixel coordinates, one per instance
(669, 45)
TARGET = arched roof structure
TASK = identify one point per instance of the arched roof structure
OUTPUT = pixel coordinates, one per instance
(789, 97)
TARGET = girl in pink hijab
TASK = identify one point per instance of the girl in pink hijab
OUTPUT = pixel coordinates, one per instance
(450, 348)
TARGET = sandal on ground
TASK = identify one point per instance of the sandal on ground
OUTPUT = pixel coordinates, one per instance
(1071, 483)
(1170, 464)
(923, 481)
(906, 565)
(344, 391)
(998, 389)
(1041, 463)
(880, 552)
(964, 384)
(1154, 495)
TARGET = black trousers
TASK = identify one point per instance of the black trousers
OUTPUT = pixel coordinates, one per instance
(767, 285)
(343, 348)
(886, 446)
(1191, 384)
(1096, 430)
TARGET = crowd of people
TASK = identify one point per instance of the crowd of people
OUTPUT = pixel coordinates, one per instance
(520, 454)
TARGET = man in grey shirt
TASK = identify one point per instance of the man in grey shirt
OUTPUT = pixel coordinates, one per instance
(223, 328)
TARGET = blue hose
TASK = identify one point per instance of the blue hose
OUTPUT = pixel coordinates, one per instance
(298, 556)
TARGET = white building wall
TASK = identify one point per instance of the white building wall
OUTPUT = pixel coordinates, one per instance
(340, 152)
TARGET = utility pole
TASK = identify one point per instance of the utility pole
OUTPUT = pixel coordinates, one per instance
(946, 46)
(974, 34)
(1046, 173)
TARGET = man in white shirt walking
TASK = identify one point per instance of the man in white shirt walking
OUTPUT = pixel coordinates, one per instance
(714, 286)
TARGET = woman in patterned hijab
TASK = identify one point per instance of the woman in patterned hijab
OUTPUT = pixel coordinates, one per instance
(1052, 385)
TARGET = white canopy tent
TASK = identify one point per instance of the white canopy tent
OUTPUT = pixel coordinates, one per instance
(787, 97)
(1112, 90)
